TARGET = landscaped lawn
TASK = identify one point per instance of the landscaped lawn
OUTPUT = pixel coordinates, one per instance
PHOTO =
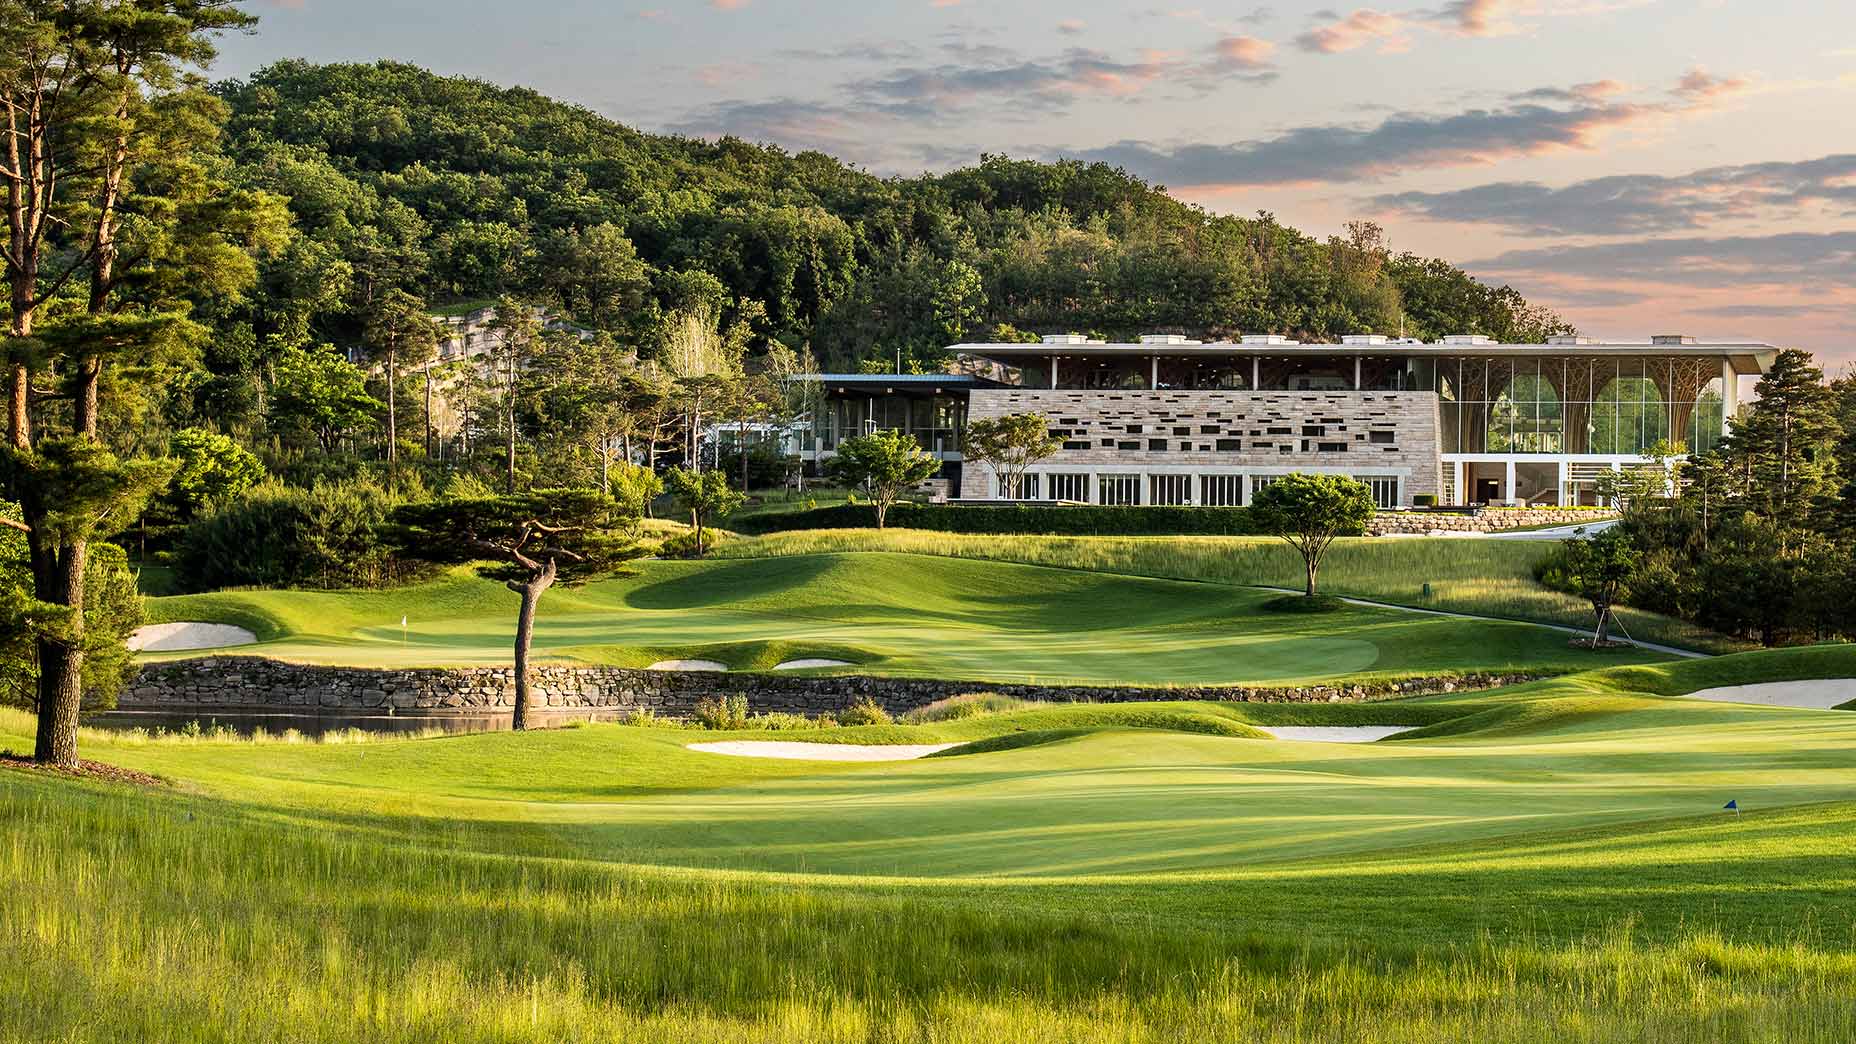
(1480, 577)
(1549, 862)
(895, 614)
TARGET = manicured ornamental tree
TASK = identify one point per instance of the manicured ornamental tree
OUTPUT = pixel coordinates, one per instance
(533, 540)
(886, 465)
(1599, 569)
(1009, 445)
(707, 496)
(1310, 511)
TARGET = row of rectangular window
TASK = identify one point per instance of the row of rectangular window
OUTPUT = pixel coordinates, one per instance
(1170, 490)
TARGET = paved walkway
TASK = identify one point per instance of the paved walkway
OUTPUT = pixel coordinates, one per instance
(1688, 654)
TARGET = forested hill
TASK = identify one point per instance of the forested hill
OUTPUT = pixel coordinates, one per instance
(459, 190)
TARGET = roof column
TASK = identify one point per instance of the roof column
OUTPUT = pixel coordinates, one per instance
(1053, 373)
(1730, 393)
(1256, 373)
(1153, 383)
(1358, 372)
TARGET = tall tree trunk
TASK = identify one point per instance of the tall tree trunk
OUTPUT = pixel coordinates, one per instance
(742, 431)
(1314, 569)
(428, 411)
(19, 399)
(1602, 633)
(393, 425)
(61, 662)
(510, 420)
(531, 593)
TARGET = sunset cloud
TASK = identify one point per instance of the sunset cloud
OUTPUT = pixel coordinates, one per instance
(1636, 204)
(1789, 259)
(1363, 28)
(1339, 154)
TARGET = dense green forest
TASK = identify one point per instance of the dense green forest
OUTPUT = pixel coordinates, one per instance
(458, 190)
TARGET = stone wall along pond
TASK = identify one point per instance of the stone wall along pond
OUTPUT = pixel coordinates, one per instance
(231, 685)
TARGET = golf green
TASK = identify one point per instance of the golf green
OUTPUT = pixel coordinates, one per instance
(886, 613)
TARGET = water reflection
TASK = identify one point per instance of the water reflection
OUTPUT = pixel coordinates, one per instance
(247, 722)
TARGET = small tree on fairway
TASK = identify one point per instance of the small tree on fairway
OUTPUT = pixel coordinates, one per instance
(1009, 445)
(707, 496)
(535, 541)
(1599, 569)
(1310, 511)
(885, 464)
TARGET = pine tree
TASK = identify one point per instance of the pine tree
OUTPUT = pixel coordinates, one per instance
(1786, 440)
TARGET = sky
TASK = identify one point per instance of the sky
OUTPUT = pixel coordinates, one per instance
(1643, 166)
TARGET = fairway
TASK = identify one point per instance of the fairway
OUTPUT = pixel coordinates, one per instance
(1151, 789)
(1549, 861)
(889, 614)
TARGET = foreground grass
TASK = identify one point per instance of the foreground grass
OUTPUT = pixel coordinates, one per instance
(893, 614)
(1481, 577)
(1550, 865)
(131, 918)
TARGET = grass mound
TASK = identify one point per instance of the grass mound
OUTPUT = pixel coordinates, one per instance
(890, 614)
(746, 656)
(968, 705)
(1305, 604)
(1012, 741)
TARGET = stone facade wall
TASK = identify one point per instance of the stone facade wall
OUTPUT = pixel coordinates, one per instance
(1419, 522)
(228, 684)
(1261, 433)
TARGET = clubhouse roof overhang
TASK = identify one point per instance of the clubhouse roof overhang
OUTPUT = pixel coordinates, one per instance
(1749, 357)
(892, 383)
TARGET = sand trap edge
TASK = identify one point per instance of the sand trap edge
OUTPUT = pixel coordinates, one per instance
(793, 751)
(703, 666)
(188, 636)
(812, 663)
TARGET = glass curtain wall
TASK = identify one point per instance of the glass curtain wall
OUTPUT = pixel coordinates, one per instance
(935, 421)
(1607, 405)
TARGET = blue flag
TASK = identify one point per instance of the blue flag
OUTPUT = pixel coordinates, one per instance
(1732, 806)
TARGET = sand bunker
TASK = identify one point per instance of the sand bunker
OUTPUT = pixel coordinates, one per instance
(806, 665)
(821, 751)
(182, 637)
(1822, 694)
(711, 666)
(1337, 733)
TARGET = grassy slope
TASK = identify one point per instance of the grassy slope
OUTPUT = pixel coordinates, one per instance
(1566, 876)
(1481, 577)
(911, 615)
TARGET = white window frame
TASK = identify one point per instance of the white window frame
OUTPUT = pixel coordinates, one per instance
(1119, 488)
(1169, 489)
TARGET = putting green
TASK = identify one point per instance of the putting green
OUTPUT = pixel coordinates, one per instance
(895, 614)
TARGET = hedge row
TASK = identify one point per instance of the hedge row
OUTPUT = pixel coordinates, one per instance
(1017, 518)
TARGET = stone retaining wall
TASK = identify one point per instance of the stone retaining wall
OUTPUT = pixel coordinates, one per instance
(1419, 522)
(227, 684)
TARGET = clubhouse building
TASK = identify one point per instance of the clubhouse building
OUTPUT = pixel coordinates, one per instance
(1176, 421)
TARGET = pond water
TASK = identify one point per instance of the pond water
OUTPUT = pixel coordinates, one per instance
(245, 723)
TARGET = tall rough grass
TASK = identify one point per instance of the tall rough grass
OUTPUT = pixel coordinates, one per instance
(130, 917)
(1481, 577)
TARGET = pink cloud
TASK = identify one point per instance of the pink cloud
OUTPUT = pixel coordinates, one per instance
(1362, 28)
(1246, 52)
(1700, 86)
